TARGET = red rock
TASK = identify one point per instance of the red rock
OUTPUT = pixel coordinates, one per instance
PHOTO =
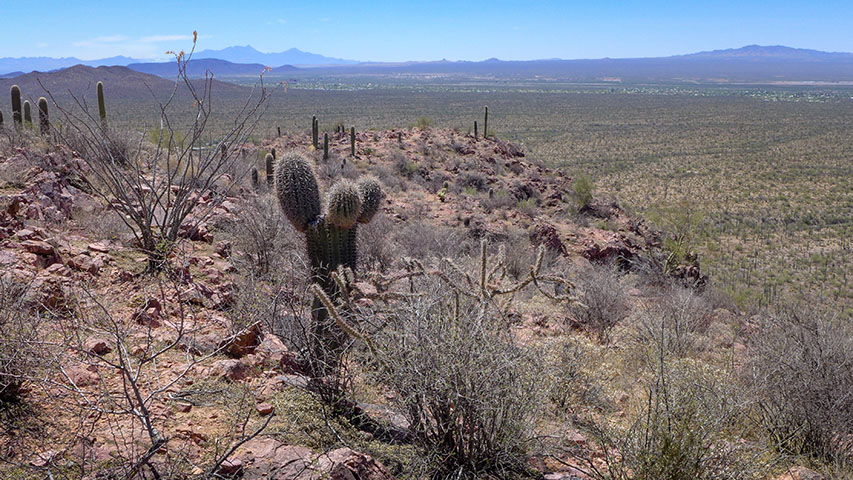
(101, 247)
(82, 376)
(39, 247)
(264, 409)
(27, 234)
(230, 369)
(800, 473)
(98, 346)
(268, 458)
(346, 464)
(244, 342)
(231, 467)
(84, 263)
(184, 407)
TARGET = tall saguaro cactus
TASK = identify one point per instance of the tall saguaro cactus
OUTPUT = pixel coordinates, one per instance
(28, 113)
(269, 160)
(315, 132)
(17, 118)
(330, 235)
(102, 107)
(475, 129)
(486, 123)
(325, 146)
(352, 141)
(44, 119)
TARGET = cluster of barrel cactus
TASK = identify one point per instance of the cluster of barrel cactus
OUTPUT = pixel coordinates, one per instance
(330, 233)
(22, 112)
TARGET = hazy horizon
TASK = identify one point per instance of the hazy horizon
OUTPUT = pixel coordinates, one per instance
(444, 29)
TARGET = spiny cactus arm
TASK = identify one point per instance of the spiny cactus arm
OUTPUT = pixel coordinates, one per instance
(343, 204)
(468, 278)
(333, 312)
(297, 191)
(371, 198)
(343, 288)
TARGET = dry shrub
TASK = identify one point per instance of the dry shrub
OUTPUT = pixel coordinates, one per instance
(687, 428)
(675, 321)
(259, 234)
(603, 301)
(375, 249)
(801, 366)
(15, 356)
(468, 391)
(423, 241)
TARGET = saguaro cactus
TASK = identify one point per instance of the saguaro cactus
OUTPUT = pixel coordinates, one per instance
(255, 181)
(352, 141)
(486, 123)
(16, 105)
(102, 107)
(1, 120)
(28, 113)
(325, 146)
(44, 119)
(315, 132)
(475, 129)
(330, 235)
(269, 160)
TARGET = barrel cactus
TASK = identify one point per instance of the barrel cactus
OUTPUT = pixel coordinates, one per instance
(330, 234)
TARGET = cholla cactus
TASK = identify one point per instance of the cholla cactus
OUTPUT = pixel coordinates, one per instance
(330, 234)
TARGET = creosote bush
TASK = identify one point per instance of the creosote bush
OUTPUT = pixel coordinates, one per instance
(603, 301)
(469, 392)
(801, 367)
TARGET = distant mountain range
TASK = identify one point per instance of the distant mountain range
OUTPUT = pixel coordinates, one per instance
(241, 55)
(119, 82)
(292, 56)
(750, 64)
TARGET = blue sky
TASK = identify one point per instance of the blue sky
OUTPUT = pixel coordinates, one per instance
(409, 30)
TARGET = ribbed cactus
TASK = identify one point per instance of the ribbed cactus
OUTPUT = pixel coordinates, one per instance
(1, 120)
(255, 181)
(44, 119)
(330, 236)
(325, 146)
(17, 118)
(269, 160)
(315, 132)
(102, 106)
(352, 141)
(28, 113)
(486, 124)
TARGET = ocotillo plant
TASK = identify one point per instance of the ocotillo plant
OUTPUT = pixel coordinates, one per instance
(269, 160)
(330, 235)
(44, 119)
(486, 124)
(28, 113)
(315, 132)
(325, 146)
(16, 105)
(102, 107)
(352, 141)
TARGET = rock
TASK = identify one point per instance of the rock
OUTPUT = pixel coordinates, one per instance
(100, 247)
(545, 234)
(97, 346)
(244, 343)
(84, 263)
(223, 248)
(27, 234)
(264, 409)
(346, 464)
(268, 458)
(39, 247)
(231, 467)
(800, 473)
(82, 376)
(230, 369)
(275, 354)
